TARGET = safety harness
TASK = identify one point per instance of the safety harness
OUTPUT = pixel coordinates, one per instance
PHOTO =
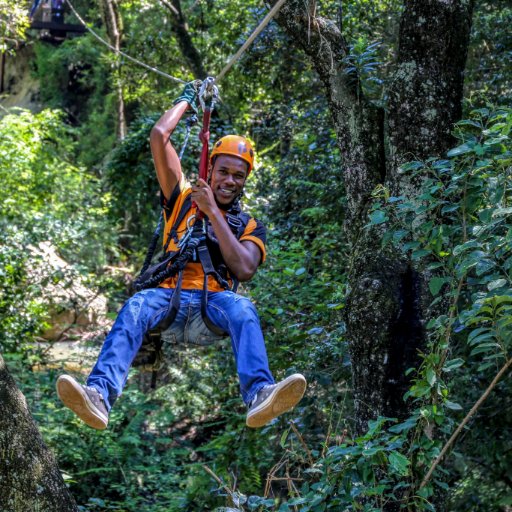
(193, 245)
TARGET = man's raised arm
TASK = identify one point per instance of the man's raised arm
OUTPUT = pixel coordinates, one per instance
(167, 163)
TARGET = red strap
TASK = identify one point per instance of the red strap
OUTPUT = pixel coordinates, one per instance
(204, 137)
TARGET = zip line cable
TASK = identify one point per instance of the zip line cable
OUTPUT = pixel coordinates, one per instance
(115, 50)
(251, 38)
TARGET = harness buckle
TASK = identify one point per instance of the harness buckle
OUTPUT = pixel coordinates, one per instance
(234, 221)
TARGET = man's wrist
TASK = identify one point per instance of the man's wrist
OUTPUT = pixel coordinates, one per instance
(214, 214)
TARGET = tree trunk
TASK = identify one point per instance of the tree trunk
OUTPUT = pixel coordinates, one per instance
(29, 477)
(388, 300)
(113, 23)
(188, 50)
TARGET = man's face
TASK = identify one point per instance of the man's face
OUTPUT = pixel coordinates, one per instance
(228, 178)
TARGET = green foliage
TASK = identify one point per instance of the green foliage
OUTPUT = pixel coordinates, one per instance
(361, 64)
(72, 78)
(46, 198)
(489, 69)
(13, 25)
(465, 246)
(129, 175)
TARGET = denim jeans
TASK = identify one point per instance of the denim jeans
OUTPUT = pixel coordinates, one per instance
(233, 313)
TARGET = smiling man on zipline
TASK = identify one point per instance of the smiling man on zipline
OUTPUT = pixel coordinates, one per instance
(209, 245)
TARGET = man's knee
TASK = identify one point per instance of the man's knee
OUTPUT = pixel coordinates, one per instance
(134, 306)
(245, 309)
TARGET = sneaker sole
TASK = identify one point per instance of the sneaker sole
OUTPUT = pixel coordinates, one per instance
(286, 396)
(75, 398)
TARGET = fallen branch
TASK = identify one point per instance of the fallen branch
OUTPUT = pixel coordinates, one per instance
(217, 479)
(464, 422)
(303, 443)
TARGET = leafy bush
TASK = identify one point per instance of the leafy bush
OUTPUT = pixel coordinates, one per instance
(465, 245)
(46, 198)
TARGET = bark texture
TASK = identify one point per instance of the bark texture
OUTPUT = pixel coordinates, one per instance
(387, 304)
(29, 477)
(426, 91)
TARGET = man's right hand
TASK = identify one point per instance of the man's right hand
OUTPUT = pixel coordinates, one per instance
(190, 95)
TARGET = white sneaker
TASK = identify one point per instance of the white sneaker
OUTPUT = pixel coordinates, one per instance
(275, 399)
(86, 402)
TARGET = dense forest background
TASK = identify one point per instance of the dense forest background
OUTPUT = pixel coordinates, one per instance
(79, 203)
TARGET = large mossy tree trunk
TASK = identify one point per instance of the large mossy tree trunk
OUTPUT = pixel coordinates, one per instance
(29, 477)
(387, 306)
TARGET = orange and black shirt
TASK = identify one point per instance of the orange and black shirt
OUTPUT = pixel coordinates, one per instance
(193, 275)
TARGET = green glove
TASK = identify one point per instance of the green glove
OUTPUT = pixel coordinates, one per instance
(189, 94)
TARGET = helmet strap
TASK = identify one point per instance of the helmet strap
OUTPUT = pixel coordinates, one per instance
(209, 176)
(235, 205)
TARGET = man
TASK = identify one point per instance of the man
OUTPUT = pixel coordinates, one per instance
(231, 161)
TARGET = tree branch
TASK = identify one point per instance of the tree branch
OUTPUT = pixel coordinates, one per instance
(464, 422)
(358, 124)
(171, 7)
(187, 47)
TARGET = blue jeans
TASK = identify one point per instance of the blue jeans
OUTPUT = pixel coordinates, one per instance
(233, 313)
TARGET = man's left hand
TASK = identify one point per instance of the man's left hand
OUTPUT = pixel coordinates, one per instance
(203, 196)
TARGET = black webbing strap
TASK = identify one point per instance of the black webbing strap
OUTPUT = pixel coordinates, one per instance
(174, 307)
(156, 339)
(209, 269)
(204, 311)
(155, 334)
(185, 207)
(155, 269)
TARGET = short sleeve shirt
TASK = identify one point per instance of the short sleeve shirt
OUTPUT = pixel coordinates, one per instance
(193, 275)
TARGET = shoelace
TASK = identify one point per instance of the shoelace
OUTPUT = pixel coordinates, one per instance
(254, 400)
(96, 392)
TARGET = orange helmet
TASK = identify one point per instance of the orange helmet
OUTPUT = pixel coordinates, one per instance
(236, 146)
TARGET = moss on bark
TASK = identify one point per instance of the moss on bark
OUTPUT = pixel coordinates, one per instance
(29, 477)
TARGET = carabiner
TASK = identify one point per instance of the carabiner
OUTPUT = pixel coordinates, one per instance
(190, 227)
(208, 90)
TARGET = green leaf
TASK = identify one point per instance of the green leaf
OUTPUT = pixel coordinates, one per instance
(484, 347)
(411, 166)
(469, 122)
(472, 244)
(450, 208)
(405, 426)
(284, 436)
(498, 283)
(411, 245)
(372, 450)
(480, 150)
(453, 406)
(453, 364)
(436, 283)
(501, 212)
(420, 253)
(378, 217)
(431, 377)
(483, 266)
(399, 463)
(477, 332)
(460, 150)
